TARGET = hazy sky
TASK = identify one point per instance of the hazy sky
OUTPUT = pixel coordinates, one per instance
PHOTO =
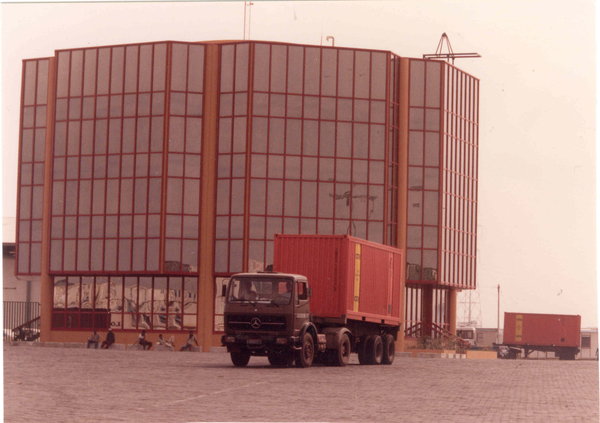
(537, 219)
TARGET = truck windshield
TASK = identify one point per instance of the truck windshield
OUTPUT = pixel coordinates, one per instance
(255, 289)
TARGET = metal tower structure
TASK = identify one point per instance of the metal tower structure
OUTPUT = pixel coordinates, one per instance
(468, 312)
(450, 54)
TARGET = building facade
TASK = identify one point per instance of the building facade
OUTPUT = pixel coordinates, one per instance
(149, 173)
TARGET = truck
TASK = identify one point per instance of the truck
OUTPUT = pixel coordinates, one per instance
(528, 332)
(327, 296)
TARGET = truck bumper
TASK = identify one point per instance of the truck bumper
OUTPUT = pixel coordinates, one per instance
(261, 344)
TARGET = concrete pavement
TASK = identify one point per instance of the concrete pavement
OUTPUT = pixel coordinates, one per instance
(81, 385)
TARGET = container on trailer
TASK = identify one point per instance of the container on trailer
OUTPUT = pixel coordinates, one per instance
(559, 330)
(351, 279)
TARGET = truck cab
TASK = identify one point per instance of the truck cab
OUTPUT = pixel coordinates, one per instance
(267, 314)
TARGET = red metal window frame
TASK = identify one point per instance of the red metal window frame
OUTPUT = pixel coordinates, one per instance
(31, 174)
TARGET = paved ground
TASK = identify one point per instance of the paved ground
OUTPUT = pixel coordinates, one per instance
(79, 385)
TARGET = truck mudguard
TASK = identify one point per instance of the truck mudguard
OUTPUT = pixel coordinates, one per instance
(334, 335)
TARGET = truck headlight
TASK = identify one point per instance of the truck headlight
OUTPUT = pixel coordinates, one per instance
(281, 341)
(230, 339)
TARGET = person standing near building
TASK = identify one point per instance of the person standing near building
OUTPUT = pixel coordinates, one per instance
(142, 341)
(94, 339)
(110, 339)
(189, 341)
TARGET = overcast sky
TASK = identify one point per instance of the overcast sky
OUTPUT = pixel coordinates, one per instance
(537, 219)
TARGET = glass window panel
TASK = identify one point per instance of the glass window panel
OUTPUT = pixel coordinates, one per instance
(432, 120)
(362, 74)
(257, 196)
(241, 66)
(360, 170)
(236, 255)
(291, 198)
(309, 199)
(278, 67)
(292, 167)
(238, 196)
(62, 82)
(309, 168)
(328, 72)
(190, 298)
(344, 109)
(312, 67)
(191, 196)
(378, 76)
(326, 169)
(414, 236)
(345, 73)
(42, 89)
(431, 208)
(103, 70)
(328, 108)
(343, 170)
(158, 103)
(308, 226)
(431, 178)
(433, 83)
(227, 58)
(73, 142)
(361, 111)
(417, 83)
(344, 140)
(291, 226)
(110, 255)
(361, 141)
(430, 237)
(160, 64)
(293, 141)
(117, 62)
(415, 207)
(257, 227)
(432, 149)
(275, 198)
(415, 148)
(310, 138)
(241, 104)
(326, 200)
(179, 67)
(101, 293)
(311, 107)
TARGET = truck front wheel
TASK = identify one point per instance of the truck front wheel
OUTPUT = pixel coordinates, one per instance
(389, 349)
(240, 359)
(307, 353)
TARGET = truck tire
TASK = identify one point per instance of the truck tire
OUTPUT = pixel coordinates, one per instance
(305, 356)
(389, 349)
(375, 350)
(240, 359)
(341, 355)
(363, 357)
(282, 359)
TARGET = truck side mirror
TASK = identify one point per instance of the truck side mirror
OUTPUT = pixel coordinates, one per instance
(224, 289)
(309, 292)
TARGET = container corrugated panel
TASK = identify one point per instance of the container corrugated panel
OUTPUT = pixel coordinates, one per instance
(349, 277)
(542, 329)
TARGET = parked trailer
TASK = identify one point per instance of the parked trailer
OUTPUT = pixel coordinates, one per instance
(558, 333)
(346, 297)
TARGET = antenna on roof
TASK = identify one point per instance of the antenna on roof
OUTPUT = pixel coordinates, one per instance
(247, 6)
(450, 55)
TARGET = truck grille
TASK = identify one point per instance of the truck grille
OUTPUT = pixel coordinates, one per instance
(259, 323)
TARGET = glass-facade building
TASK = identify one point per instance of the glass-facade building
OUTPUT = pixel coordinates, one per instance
(149, 173)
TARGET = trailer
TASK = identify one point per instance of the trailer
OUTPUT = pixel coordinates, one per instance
(328, 296)
(528, 332)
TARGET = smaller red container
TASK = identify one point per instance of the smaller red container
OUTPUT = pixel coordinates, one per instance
(350, 278)
(546, 330)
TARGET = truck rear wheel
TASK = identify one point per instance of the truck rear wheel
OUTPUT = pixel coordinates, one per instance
(363, 357)
(341, 355)
(375, 350)
(306, 355)
(240, 359)
(389, 349)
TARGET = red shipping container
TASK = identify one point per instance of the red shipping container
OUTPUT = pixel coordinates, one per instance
(560, 330)
(350, 278)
